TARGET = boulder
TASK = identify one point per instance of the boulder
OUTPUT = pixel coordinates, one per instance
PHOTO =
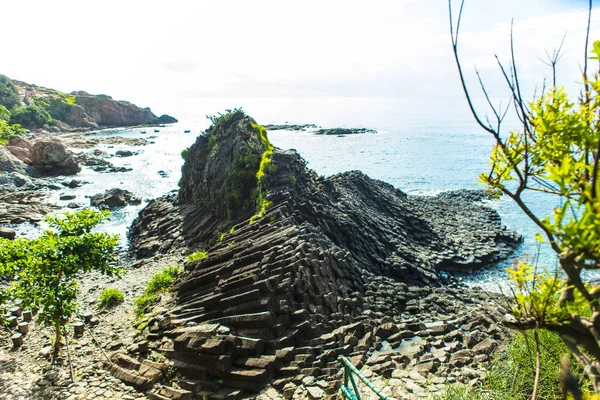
(124, 153)
(7, 233)
(114, 198)
(50, 157)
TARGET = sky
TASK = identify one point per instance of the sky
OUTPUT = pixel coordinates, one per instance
(162, 54)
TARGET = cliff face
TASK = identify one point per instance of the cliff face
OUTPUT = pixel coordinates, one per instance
(316, 275)
(81, 110)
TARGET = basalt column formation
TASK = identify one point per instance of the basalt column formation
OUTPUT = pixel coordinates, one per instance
(301, 269)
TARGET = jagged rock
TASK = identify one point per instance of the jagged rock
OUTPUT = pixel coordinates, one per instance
(114, 198)
(50, 157)
(306, 267)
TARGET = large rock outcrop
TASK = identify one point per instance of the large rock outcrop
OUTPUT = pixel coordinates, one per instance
(106, 111)
(81, 110)
(301, 268)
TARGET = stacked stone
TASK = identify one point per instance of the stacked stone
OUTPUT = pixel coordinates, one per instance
(333, 268)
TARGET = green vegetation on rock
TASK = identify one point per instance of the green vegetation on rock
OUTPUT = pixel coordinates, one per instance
(197, 255)
(160, 282)
(9, 96)
(110, 297)
(33, 116)
(8, 130)
(262, 204)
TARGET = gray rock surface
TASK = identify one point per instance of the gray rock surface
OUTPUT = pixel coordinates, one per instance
(113, 198)
(50, 157)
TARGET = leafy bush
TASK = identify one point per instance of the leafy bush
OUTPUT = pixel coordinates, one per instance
(184, 153)
(4, 113)
(32, 116)
(143, 304)
(110, 297)
(197, 255)
(45, 268)
(159, 283)
(60, 107)
(7, 131)
(9, 96)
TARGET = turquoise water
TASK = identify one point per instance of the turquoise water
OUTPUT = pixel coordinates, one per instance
(421, 147)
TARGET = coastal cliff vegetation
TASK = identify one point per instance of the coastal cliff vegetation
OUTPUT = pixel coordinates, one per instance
(34, 107)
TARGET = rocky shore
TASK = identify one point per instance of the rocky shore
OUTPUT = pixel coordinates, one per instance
(300, 270)
(309, 269)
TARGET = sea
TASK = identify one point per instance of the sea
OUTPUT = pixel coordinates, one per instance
(421, 146)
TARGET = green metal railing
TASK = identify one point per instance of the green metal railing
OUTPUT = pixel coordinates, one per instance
(352, 392)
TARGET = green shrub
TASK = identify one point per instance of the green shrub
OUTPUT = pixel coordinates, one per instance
(197, 255)
(32, 116)
(184, 153)
(4, 113)
(7, 131)
(110, 297)
(159, 283)
(172, 270)
(9, 96)
(60, 108)
(143, 304)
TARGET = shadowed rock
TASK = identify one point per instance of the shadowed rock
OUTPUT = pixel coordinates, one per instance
(113, 198)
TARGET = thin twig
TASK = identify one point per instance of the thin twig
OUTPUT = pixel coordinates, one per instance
(94, 339)
(69, 354)
(536, 381)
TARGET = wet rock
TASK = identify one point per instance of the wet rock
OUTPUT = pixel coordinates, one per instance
(114, 198)
(124, 153)
(344, 131)
(74, 183)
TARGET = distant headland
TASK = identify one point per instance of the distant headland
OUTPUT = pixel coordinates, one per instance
(41, 109)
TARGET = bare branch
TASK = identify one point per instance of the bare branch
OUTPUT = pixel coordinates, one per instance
(460, 70)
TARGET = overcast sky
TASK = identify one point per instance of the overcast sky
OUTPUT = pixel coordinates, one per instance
(160, 54)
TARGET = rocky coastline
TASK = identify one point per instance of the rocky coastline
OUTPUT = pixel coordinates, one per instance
(80, 111)
(301, 269)
(344, 265)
